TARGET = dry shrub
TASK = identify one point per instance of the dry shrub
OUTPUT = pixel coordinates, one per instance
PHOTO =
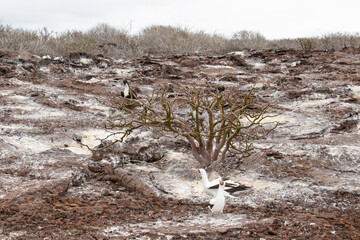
(177, 40)
(250, 40)
(306, 44)
(114, 42)
(24, 40)
(284, 44)
(214, 124)
(118, 43)
(72, 41)
(337, 41)
(219, 44)
(166, 39)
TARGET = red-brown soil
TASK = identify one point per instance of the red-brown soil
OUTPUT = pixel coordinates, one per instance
(53, 187)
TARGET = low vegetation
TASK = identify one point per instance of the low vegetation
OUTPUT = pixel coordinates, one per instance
(214, 123)
(116, 42)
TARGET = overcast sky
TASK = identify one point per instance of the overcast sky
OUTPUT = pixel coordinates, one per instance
(272, 18)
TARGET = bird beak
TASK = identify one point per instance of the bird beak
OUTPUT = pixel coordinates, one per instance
(194, 169)
(221, 182)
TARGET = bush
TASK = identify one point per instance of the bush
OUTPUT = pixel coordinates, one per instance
(337, 41)
(214, 124)
(72, 41)
(284, 44)
(177, 40)
(24, 40)
(249, 40)
(114, 42)
(167, 39)
(157, 39)
(306, 44)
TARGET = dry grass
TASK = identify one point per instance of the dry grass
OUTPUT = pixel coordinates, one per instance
(119, 43)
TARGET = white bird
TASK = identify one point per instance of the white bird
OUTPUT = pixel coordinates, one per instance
(128, 92)
(219, 200)
(213, 186)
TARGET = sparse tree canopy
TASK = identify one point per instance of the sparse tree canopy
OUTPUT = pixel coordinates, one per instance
(214, 123)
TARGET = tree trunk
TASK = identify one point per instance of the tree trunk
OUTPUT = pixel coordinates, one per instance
(133, 182)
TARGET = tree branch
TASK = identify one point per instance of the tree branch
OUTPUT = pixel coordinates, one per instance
(211, 122)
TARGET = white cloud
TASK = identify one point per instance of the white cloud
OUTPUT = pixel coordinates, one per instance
(274, 19)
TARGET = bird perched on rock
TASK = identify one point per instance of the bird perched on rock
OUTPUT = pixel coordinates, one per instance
(213, 186)
(219, 200)
(128, 92)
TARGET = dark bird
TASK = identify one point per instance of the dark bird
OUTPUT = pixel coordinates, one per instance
(128, 92)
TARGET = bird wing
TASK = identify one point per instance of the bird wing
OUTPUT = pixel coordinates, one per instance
(230, 183)
(126, 90)
(214, 184)
(232, 186)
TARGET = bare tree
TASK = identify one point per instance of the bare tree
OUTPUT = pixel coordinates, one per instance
(214, 123)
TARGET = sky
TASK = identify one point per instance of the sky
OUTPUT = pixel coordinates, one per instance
(274, 19)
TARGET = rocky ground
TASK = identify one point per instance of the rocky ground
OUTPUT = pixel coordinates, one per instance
(53, 185)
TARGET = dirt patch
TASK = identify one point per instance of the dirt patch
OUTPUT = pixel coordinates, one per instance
(52, 186)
